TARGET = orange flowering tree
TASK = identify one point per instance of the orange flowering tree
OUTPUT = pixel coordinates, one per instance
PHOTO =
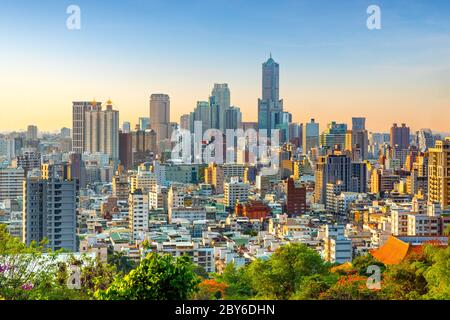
(210, 289)
(350, 287)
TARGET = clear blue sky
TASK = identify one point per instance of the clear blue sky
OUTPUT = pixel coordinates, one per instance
(127, 50)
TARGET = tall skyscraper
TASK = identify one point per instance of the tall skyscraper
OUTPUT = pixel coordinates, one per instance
(270, 107)
(271, 80)
(400, 136)
(101, 131)
(439, 173)
(49, 208)
(144, 123)
(160, 116)
(219, 105)
(201, 113)
(233, 118)
(360, 139)
(310, 136)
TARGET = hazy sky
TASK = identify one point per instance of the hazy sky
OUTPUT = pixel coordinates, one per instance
(331, 66)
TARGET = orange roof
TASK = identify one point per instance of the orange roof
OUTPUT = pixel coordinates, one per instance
(393, 251)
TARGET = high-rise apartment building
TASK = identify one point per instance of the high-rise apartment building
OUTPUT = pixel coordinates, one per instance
(439, 173)
(138, 214)
(78, 116)
(235, 191)
(29, 160)
(295, 197)
(11, 181)
(101, 131)
(49, 208)
(400, 136)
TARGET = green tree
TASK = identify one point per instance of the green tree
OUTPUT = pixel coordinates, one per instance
(238, 282)
(362, 263)
(438, 274)
(312, 286)
(158, 277)
(283, 273)
(122, 263)
(350, 287)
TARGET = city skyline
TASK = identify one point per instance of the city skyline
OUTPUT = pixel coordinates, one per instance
(331, 67)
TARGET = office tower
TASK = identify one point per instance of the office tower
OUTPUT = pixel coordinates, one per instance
(233, 118)
(235, 191)
(220, 102)
(360, 139)
(29, 160)
(32, 132)
(11, 180)
(185, 122)
(331, 169)
(424, 139)
(283, 126)
(201, 113)
(77, 169)
(310, 136)
(160, 116)
(400, 136)
(144, 123)
(439, 173)
(295, 197)
(295, 134)
(49, 208)
(78, 122)
(270, 107)
(271, 80)
(334, 135)
(138, 214)
(65, 132)
(358, 177)
(101, 131)
(126, 127)
(143, 146)
(125, 150)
